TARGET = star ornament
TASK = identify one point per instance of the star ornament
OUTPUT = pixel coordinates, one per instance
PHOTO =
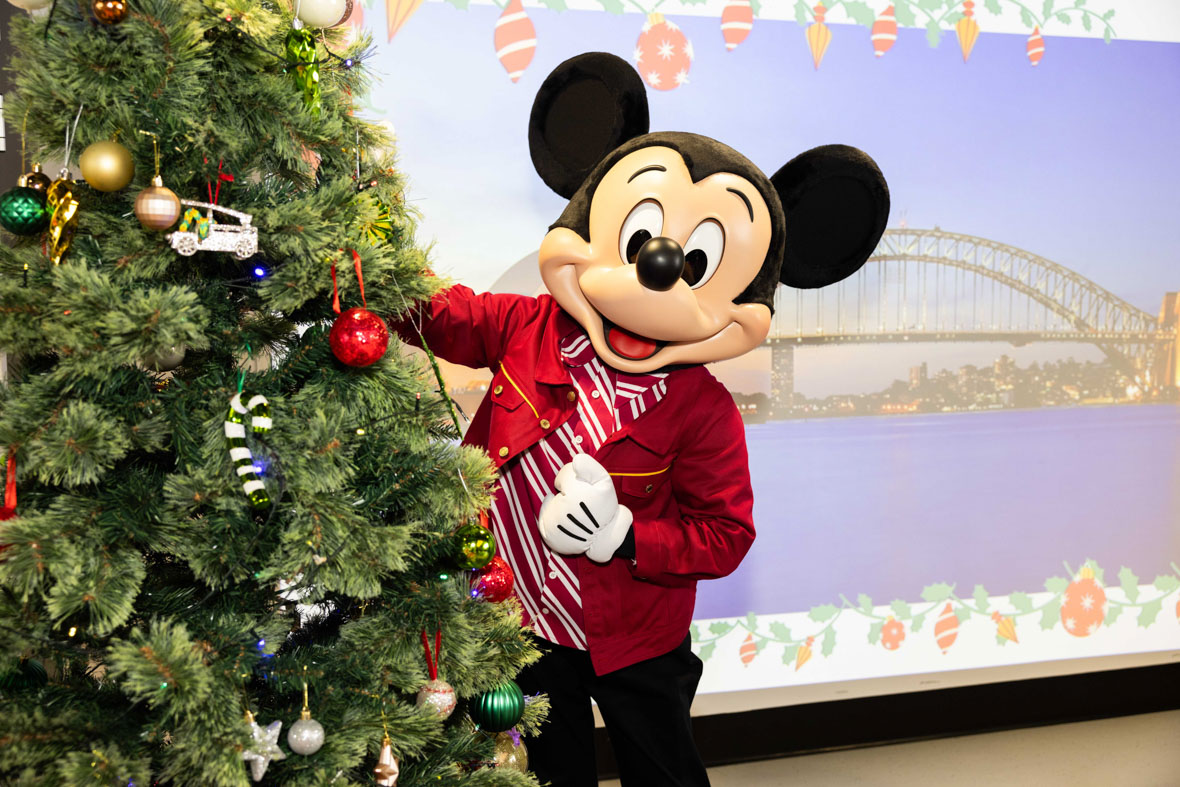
(266, 747)
(386, 770)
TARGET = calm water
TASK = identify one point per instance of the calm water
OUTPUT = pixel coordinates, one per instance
(886, 505)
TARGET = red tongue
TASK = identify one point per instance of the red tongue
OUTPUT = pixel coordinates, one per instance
(628, 344)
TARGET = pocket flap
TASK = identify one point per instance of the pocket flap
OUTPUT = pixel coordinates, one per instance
(641, 483)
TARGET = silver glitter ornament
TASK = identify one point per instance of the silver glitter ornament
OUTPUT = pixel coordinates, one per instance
(306, 736)
(438, 696)
(266, 747)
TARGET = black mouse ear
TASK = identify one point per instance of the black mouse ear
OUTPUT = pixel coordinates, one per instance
(586, 108)
(836, 203)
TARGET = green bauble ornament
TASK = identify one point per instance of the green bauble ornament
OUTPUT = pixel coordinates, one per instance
(499, 709)
(29, 674)
(23, 211)
(475, 546)
(303, 66)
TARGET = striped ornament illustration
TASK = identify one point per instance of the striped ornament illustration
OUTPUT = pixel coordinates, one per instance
(515, 39)
(1036, 46)
(737, 18)
(946, 629)
(884, 34)
(235, 438)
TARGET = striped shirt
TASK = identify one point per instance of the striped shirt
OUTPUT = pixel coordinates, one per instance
(547, 583)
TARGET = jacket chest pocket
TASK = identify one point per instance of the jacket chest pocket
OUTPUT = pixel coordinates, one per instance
(644, 484)
(504, 394)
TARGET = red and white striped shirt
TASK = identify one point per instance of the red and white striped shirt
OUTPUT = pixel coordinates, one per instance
(547, 583)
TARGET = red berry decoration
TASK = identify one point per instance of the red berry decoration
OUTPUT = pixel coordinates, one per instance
(494, 582)
(1083, 607)
(892, 634)
(359, 337)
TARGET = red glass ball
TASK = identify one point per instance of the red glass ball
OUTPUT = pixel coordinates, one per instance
(358, 337)
(494, 582)
(7, 513)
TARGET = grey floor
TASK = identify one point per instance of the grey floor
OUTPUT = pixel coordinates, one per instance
(1133, 751)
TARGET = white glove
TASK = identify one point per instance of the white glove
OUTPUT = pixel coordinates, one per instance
(584, 517)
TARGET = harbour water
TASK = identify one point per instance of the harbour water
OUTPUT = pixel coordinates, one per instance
(886, 505)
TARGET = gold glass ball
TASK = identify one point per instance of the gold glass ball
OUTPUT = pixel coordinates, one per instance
(36, 179)
(509, 755)
(157, 207)
(109, 12)
(107, 166)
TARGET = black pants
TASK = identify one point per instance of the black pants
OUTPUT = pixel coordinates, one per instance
(645, 707)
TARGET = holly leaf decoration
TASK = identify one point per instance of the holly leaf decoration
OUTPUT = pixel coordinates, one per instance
(859, 12)
(1129, 583)
(1099, 574)
(866, 604)
(555, 5)
(930, 5)
(1026, 18)
(1021, 601)
(933, 33)
(1047, 9)
(939, 592)
(901, 610)
(916, 623)
(875, 633)
(823, 612)
(1109, 15)
(1166, 583)
(1148, 614)
(780, 631)
(460, 4)
(612, 6)
(694, 632)
(802, 12)
(707, 651)
(1050, 614)
(755, 6)
(993, 6)
(692, 2)
(1056, 584)
(963, 614)
(1112, 615)
(1086, 25)
(904, 14)
(1062, 18)
(751, 621)
(829, 643)
(1001, 640)
(720, 628)
(1107, 34)
(981, 598)
(789, 653)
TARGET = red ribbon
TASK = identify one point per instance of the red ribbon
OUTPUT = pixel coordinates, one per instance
(10, 483)
(222, 177)
(360, 280)
(432, 662)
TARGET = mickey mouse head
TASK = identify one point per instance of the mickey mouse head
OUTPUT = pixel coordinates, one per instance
(672, 244)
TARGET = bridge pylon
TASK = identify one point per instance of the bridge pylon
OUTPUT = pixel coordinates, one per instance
(782, 379)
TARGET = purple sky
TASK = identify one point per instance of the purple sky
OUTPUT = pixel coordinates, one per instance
(1073, 160)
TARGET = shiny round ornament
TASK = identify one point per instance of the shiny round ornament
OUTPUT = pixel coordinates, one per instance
(306, 736)
(107, 166)
(475, 546)
(358, 337)
(165, 360)
(36, 179)
(494, 582)
(511, 754)
(324, 13)
(438, 697)
(109, 12)
(31, 5)
(157, 207)
(23, 211)
(29, 674)
(499, 709)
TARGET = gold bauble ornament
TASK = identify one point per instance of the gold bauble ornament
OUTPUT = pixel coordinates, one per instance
(60, 199)
(107, 166)
(109, 12)
(157, 207)
(509, 754)
(36, 179)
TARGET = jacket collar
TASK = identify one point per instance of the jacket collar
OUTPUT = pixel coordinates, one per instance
(550, 370)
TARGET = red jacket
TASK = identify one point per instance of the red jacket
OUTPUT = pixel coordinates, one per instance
(681, 467)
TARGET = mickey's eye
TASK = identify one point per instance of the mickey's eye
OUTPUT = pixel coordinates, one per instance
(703, 252)
(643, 223)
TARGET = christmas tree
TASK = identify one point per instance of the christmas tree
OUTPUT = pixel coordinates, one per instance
(226, 506)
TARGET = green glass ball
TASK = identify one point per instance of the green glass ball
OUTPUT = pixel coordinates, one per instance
(23, 211)
(475, 546)
(499, 709)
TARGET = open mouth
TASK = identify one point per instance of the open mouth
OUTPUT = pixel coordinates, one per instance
(629, 345)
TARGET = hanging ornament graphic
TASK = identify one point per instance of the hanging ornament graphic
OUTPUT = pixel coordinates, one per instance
(515, 39)
(1005, 627)
(1083, 607)
(748, 650)
(892, 633)
(818, 36)
(946, 629)
(1036, 46)
(397, 12)
(737, 19)
(967, 29)
(663, 54)
(804, 653)
(885, 32)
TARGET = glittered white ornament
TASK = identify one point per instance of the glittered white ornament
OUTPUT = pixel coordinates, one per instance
(438, 696)
(266, 747)
(31, 5)
(323, 13)
(306, 736)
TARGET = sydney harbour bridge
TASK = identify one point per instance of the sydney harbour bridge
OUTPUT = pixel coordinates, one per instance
(938, 286)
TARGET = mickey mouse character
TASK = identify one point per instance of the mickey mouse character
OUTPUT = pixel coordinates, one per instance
(623, 470)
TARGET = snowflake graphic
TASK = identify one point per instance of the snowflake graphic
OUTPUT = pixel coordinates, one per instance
(1087, 601)
(688, 50)
(666, 50)
(638, 55)
(1070, 624)
(1093, 627)
(653, 78)
(681, 77)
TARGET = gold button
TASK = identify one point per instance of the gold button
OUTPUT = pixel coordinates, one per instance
(649, 488)
(544, 423)
(572, 396)
(504, 452)
(499, 389)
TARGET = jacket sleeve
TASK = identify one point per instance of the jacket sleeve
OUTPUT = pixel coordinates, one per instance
(711, 485)
(467, 328)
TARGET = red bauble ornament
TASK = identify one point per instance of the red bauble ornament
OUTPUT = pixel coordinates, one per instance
(737, 18)
(6, 513)
(494, 581)
(663, 54)
(1083, 607)
(1035, 47)
(892, 634)
(359, 337)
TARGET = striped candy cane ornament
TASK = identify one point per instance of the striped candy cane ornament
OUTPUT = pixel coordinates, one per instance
(235, 438)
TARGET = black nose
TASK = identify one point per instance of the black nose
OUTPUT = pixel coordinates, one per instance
(660, 263)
